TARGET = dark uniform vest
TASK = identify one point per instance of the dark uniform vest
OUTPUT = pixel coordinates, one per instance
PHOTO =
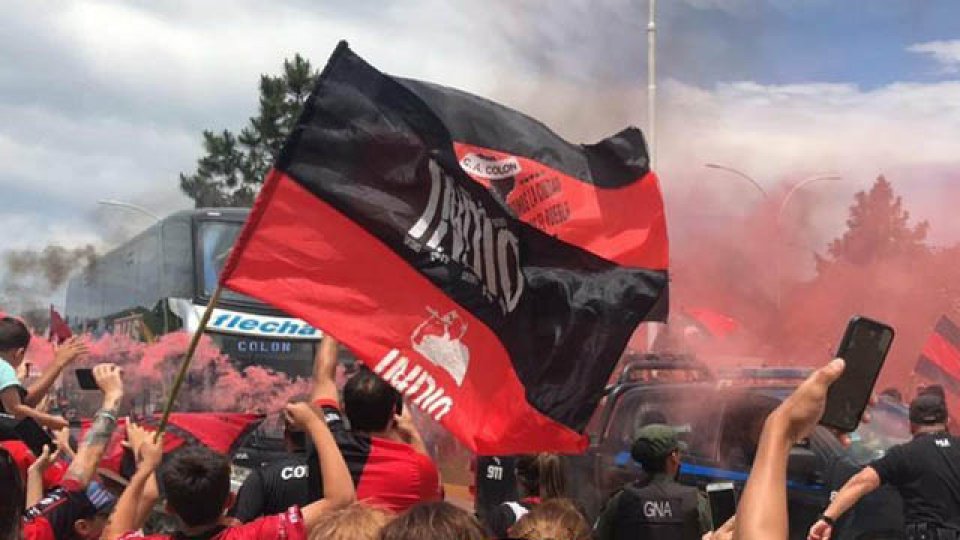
(660, 510)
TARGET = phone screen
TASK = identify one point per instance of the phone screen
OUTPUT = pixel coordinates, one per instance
(864, 349)
(85, 379)
(723, 502)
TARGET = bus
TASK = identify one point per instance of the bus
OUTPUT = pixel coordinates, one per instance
(161, 281)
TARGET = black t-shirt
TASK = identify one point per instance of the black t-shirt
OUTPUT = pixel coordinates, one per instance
(503, 516)
(496, 481)
(273, 488)
(926, 472)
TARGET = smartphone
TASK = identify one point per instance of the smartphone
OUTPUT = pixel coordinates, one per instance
(85, 379)
(864, 348)
(723, 502)
(30, 432)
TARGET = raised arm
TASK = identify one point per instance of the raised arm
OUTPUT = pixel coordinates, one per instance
(10, 397)
(65, 355)
(856, 488)
(762, 512)
(127, 514)
(35, 475)
(338, 489)
(325, 371)
(84, 465)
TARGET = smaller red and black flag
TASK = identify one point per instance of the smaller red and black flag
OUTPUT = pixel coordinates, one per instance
(59, 329)
(940, 359)
(710, 322)
(220, 432)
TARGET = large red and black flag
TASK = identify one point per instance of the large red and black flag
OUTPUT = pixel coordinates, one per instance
(940, 358)
(602, 197)
(369, 228)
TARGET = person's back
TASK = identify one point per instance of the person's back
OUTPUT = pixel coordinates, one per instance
(539, 477)
(929, 481)
(276, 486)
(273, 488)
(660, 509)
(387, 460)
(657, 507)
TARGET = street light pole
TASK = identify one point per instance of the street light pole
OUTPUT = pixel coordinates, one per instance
(740, 174)
(783, 205)
(652, 83)
(652, 328)
(159, 224)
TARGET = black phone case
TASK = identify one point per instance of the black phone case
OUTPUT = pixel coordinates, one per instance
(719, 515)
(33, 435)
(842, 349)
(85, 379)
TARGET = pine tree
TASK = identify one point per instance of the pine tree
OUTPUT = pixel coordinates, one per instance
(233, 167)
(878, 228)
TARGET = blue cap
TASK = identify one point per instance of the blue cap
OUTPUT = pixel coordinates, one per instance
(100, 498)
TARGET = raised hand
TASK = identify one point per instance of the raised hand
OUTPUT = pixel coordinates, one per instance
(69, 351)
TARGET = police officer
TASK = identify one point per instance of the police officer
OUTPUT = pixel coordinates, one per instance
(926, 472)
(657, 507)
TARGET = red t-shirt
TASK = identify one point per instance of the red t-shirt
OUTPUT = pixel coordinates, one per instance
(388, 474)
(24, 458)
(286, 526)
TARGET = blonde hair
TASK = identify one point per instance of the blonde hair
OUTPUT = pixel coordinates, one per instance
(542, 475)
(556, 519)
(427, 521)
(355, 522)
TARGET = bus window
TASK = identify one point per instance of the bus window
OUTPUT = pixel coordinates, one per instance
(216, 239)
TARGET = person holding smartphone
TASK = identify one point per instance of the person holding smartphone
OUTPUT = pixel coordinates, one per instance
(925, 471)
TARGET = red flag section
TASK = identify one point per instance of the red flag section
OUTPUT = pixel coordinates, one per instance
(221, 432)
(59, 330)
(370, 229)
(940, 359)
(712, 322)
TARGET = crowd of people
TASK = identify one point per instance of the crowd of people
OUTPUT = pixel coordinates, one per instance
(357, 468)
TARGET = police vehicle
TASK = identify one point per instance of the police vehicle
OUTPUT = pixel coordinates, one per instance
(720, 417)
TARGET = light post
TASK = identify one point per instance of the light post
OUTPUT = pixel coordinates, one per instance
(740, 174)
(783, 205)
(158, 222)
(652, 328)
(652, 83)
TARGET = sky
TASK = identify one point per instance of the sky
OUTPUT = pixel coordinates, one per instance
(107, 100)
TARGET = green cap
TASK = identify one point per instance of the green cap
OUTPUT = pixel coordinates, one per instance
(655, 441)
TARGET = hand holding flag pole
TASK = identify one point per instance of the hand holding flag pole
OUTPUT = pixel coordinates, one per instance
(191, 350)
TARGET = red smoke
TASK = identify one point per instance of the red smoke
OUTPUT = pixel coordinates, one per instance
(212, 384)
(886, 271)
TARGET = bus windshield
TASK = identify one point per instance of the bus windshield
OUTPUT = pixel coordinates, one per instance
(216, 238)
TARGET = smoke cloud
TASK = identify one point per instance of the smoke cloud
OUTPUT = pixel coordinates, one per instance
(31, 276)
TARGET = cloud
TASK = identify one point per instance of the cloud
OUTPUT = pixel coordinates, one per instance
(945, 53)
(107, 99)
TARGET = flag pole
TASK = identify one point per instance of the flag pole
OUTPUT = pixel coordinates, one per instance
(181, 375)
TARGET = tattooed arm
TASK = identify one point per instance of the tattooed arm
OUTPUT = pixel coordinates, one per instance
(84, 465)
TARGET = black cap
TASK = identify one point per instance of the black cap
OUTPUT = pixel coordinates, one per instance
(928, 409)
